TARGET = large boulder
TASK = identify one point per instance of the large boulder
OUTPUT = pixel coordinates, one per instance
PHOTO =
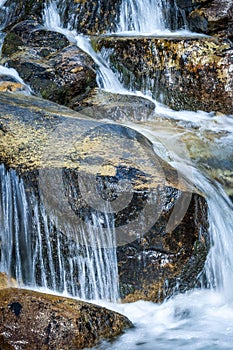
(53, 67)
(40, 321)
(184, 73)
(211, 17)
(110, 172)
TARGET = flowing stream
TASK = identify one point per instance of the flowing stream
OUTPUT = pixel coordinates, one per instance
(201, 319)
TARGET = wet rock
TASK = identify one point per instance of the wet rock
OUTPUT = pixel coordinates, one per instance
(11, 86)
(6, 281)
(42, 321)
(163, 263)
(91, 17)
(160, 219)
(102, 104)
(209, 17)
(12, 12)
(184, 73)
(88, 17)
(214, 19)
(53, 67)
(9, 83)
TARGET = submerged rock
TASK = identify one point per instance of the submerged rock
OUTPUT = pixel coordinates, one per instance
(117, 107)
(80, 168)
(53, 67)
(184, 73)
(34, 320)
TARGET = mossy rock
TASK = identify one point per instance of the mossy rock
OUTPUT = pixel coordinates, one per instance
(184, 73)
(158, 215)
(54, 68)
(33, 320)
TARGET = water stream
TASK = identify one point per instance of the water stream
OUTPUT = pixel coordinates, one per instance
(38, 255)
(199, 320)
(142, 16)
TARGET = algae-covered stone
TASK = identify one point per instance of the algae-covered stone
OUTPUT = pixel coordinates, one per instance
(32, 320)
(118, 107)
(159, 218)
(12, 12)
(53, 67)
(184, 73)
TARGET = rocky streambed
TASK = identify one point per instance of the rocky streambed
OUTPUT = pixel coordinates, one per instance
(69, 156)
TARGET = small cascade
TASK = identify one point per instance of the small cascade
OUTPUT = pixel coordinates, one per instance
(14, 227)
(10, 74)
(142, 16)
(219, 264)
(218, 271)
(106, 79)
(37, 254)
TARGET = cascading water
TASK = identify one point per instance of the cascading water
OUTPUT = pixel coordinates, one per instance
(106, 79)
(37, 255)
(142, 16)
(201, 319)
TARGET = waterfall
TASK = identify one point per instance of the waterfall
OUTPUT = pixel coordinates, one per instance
(106, 79)
(142, 16)
(38, 255)
(219, 263)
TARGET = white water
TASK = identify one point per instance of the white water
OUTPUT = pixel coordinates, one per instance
(201, 319)
(142, 16)
(38, 256)
(14, 75)
(11, 72)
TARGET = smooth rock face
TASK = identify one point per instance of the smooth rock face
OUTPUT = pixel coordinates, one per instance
(163, 263)
(117, 107)
(160, 221)
(184, 73)
(53, 67)
(32, 320)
